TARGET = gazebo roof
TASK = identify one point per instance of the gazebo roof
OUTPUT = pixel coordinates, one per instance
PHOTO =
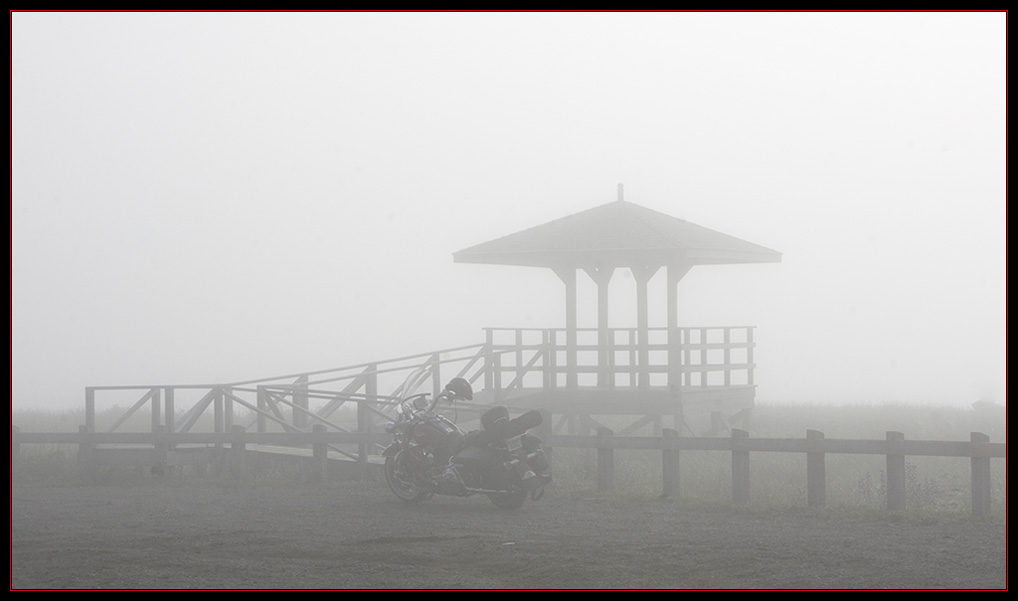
(619, 234)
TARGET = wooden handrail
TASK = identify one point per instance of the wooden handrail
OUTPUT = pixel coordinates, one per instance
(694, 359)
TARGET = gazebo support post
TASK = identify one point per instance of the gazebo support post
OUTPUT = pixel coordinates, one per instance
(568, 277)
(675, 272)
(602, 276)
(642, 275)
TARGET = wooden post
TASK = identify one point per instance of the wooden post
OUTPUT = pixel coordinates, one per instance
(162, 447)
(675, 273)
(980, 478)
(605, 460)
(687, 357)
(603, 331)
(170, 419)
(632, 343)
(489, 359)
(749, 356)
(90, 408)
(670, 464)
(300, 402)
(548, 361)
(218, 419)
(895, 471)
(642, 274)
(676, 379)
(86, 455)
(263, 407)
(227, 409)
(609, 356)
(364, 416)
(237, 452)
(816, 471)
(156, 408)
(704, 374)
(728, 356)
(740, 468)
(602, 276)
(569, 277)
(319, 454)
(496, 366)
(519, 357)
(219, 458)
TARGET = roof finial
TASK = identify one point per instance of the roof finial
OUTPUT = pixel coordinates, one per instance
(620, 193)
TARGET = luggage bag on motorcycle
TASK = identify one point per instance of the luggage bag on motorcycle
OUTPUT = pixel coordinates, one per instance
(497, 420)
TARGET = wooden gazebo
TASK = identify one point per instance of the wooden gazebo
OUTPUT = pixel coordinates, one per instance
(577, 375)
(699, 364)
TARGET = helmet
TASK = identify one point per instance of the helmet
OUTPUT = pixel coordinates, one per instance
(460, 388)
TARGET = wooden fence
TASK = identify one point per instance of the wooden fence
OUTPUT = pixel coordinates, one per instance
(230, 448)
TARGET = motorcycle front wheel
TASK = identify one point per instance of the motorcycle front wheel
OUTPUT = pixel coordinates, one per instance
(508, 500)
(401, 481)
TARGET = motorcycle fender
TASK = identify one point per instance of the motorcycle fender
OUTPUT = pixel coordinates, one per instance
(391, 450)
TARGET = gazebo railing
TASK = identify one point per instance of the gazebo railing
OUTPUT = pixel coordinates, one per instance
(696, 357)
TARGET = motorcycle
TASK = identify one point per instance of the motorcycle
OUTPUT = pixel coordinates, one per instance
(430, 454)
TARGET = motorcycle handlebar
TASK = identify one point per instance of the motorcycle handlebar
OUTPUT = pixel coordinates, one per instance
(444, 395)
(410, 404)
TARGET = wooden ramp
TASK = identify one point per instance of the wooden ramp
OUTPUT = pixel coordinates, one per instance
(699, 381)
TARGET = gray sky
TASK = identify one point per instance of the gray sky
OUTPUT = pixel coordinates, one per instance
(222, 196)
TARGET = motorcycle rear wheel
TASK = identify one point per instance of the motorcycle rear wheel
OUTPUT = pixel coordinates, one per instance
(401, 481)
(508, 500)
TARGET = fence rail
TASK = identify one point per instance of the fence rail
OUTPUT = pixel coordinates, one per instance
(895, 448)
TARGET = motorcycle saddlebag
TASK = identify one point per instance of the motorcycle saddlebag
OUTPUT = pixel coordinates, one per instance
(530, 419)
(520, 425)
(494, 418)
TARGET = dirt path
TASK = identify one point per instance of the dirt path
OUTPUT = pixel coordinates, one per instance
(360, 536)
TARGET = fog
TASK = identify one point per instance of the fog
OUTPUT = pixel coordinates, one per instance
(211, 197)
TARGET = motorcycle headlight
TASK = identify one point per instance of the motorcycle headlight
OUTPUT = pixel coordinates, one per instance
(390, 427)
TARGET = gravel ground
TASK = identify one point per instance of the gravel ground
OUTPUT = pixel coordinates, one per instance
(358, 535)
